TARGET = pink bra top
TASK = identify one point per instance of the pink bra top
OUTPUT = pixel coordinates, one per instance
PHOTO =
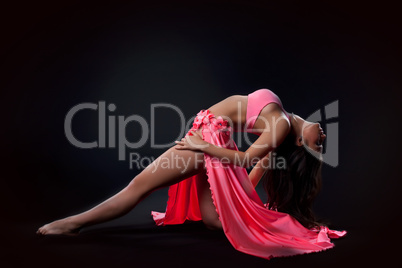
(256, 101)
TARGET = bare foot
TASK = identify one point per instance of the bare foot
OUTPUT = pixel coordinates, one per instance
(60, 227)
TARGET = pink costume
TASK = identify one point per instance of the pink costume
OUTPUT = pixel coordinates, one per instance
(249, 226)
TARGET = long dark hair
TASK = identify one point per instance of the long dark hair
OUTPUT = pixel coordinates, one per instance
(293, 188)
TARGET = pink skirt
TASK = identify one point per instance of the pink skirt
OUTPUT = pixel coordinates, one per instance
(249, 226)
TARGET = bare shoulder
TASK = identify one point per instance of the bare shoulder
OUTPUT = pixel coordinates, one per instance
(274, 114)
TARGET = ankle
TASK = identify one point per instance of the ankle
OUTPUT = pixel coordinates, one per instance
(74, 222)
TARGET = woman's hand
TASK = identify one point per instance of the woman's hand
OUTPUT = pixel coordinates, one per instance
(194, 142)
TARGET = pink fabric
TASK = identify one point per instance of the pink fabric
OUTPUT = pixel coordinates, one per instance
(256, 101)
(249, 226)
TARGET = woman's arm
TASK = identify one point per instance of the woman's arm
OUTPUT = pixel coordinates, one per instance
(258, 170)
(267, 141)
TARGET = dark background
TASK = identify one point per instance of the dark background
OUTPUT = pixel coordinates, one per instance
(55, 55)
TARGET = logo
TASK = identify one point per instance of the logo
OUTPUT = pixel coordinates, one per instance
(331, 154)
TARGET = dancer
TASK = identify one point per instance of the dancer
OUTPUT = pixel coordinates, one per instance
(214, 185)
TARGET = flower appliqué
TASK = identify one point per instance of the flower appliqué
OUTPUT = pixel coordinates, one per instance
(206, 118)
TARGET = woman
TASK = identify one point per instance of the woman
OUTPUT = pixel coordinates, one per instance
(214, 185)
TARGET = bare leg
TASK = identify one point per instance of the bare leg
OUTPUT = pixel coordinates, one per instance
(208, 211)
(153, 177)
